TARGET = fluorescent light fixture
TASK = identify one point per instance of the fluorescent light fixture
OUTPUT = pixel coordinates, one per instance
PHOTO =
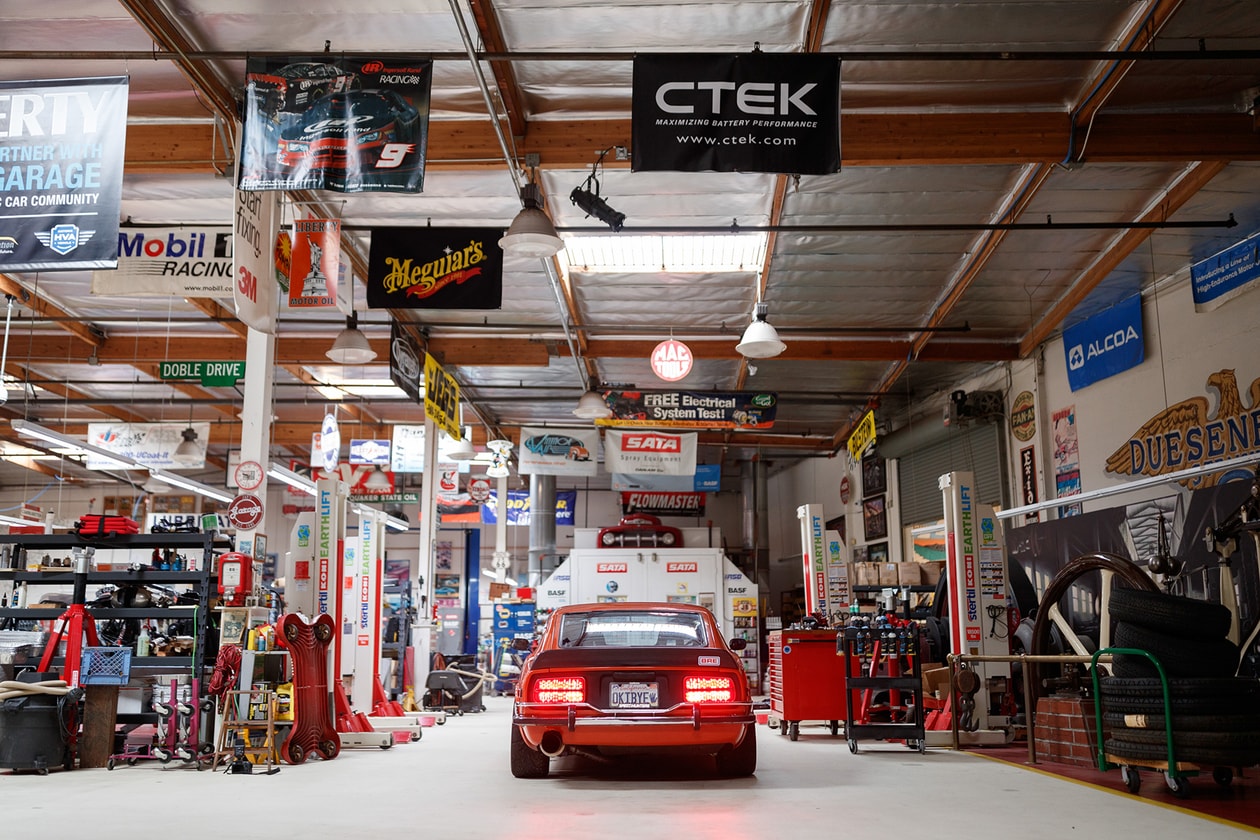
(652, 254)
(289, 477)
(34, 430)
(188, 484)
(13, 520)
(394, 523)
(155, 485)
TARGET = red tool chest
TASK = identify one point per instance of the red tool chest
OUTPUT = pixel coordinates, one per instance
(807, 679)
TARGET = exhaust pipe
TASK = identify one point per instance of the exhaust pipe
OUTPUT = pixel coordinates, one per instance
(552, 744)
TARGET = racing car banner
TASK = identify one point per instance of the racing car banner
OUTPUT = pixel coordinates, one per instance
(435, 268)
(61, 172)
(558, 451)
(328, 123)
(663, 504)
(750, 112)
(691, 409)
(634, 451)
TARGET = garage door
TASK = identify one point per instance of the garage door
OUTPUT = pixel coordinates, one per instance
(976, 448)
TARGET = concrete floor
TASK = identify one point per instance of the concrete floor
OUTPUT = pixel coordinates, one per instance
(455, 784)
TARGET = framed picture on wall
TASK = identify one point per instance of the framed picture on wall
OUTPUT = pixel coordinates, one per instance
(874, 477)
(874, 519)
(838, 525)
(860, 554)
(878, 552)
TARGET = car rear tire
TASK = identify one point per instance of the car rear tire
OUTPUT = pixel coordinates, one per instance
(742, 760)
(527, 762)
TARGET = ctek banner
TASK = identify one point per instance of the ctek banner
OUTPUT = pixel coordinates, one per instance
(61, 173)
(633, 451)
(170, 262)
(690, 409)
(1104, 345)
(329, 123)
(749, 112)
(435, 268)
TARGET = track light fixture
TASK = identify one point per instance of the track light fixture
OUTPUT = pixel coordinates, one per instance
(587, 198)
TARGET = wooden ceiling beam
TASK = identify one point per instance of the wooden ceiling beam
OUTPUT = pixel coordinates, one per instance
(869, 139)
(32, 301)
(492, 40)
(837, 350)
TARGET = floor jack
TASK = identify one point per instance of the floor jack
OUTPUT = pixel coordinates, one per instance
(388, 716)
(353, 728)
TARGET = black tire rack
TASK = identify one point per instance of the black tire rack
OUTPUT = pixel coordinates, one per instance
(884, 657)
(202, 580)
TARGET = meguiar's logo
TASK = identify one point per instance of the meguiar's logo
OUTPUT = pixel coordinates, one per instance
(427, 279)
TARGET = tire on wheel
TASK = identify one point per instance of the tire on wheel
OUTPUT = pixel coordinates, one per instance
(1180, 657)
(527, 762)
(1189, 618)
(738, 762)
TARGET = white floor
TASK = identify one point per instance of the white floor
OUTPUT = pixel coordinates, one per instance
(455, 784)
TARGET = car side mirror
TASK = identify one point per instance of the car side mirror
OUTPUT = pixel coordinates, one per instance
(521, 644)
(737, 644)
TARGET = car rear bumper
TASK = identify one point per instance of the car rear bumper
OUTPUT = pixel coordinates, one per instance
(682, 725)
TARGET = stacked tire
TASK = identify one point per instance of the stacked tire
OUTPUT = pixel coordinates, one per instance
(1215, 715)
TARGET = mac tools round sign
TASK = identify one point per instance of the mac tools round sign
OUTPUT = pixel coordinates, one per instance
(671, 360)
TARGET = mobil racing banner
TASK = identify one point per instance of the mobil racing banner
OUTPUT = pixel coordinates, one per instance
(751, 112)
(328, 123)
(315, 264)
(1224, 276)
(663, 504)
(690, 409)
(708, 479)
(170, 262)
(435, 268)
(61, 172)
(1104, 345)
(518, 508)
(558, 451)
(633, 451)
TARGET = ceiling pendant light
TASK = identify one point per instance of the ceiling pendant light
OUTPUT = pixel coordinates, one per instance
(461, 450)
(351, 346)
(378, 482)
(761, 340)
(188, 448)
(155, 485)
(591, 406)
(531, 233)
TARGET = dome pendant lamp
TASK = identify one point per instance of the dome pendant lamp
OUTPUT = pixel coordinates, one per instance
(531, 233)
(761, 340)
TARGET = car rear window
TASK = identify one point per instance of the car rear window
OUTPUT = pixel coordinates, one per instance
(632, 629)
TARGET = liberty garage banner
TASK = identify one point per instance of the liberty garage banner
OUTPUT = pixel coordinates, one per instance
(61, 172)
(749, 112)
(329, 123)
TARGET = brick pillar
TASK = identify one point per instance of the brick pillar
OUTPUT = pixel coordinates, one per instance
(1065, 731)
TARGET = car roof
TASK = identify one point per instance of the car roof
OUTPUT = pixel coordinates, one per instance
(622, 606)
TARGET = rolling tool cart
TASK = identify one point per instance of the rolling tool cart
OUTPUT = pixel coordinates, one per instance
(806, 679)
(883, 656)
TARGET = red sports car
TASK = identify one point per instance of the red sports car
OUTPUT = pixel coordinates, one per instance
(612, 679)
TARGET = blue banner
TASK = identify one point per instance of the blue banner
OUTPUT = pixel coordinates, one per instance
(518, 508)
(1105, 344)
(1226, 275)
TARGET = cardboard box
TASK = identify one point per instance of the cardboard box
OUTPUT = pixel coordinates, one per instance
(909, 574)
(935, 680)
(888, 574)
(932, 571)
(867, 574)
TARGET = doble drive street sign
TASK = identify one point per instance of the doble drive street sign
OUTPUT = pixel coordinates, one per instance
(211, 374)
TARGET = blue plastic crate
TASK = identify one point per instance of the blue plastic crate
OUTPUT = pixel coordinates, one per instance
(106, 666)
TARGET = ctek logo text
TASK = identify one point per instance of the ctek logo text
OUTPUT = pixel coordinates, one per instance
(1079, 355)
(760, 98)
(632, 442)
(682, 567)
(612, 568)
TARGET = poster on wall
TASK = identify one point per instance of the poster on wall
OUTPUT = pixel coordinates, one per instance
(1067, 463)
(328, 122)
(61, 144)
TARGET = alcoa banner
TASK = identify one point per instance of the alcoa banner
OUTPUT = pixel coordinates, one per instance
(749, 112)
(632, 451)
(61, 172)
(1104, 345)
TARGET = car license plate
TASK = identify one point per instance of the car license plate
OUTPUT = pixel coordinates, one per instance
(634, 695)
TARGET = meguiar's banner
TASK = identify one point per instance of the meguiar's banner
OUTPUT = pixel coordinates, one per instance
(749, 112)
(690, 409)
(435, 268)
(61, 172)
(332, 123)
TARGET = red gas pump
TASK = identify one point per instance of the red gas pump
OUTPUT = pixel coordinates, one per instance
(236, 578)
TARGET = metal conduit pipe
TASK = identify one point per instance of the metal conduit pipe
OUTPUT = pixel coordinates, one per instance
(542, 525)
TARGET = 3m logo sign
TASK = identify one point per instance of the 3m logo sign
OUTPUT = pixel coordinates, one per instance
(682, 567)
(612, 568)
(633, 442)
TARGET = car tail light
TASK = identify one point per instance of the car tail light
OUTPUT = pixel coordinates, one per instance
(708, 689)
(560, 690)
